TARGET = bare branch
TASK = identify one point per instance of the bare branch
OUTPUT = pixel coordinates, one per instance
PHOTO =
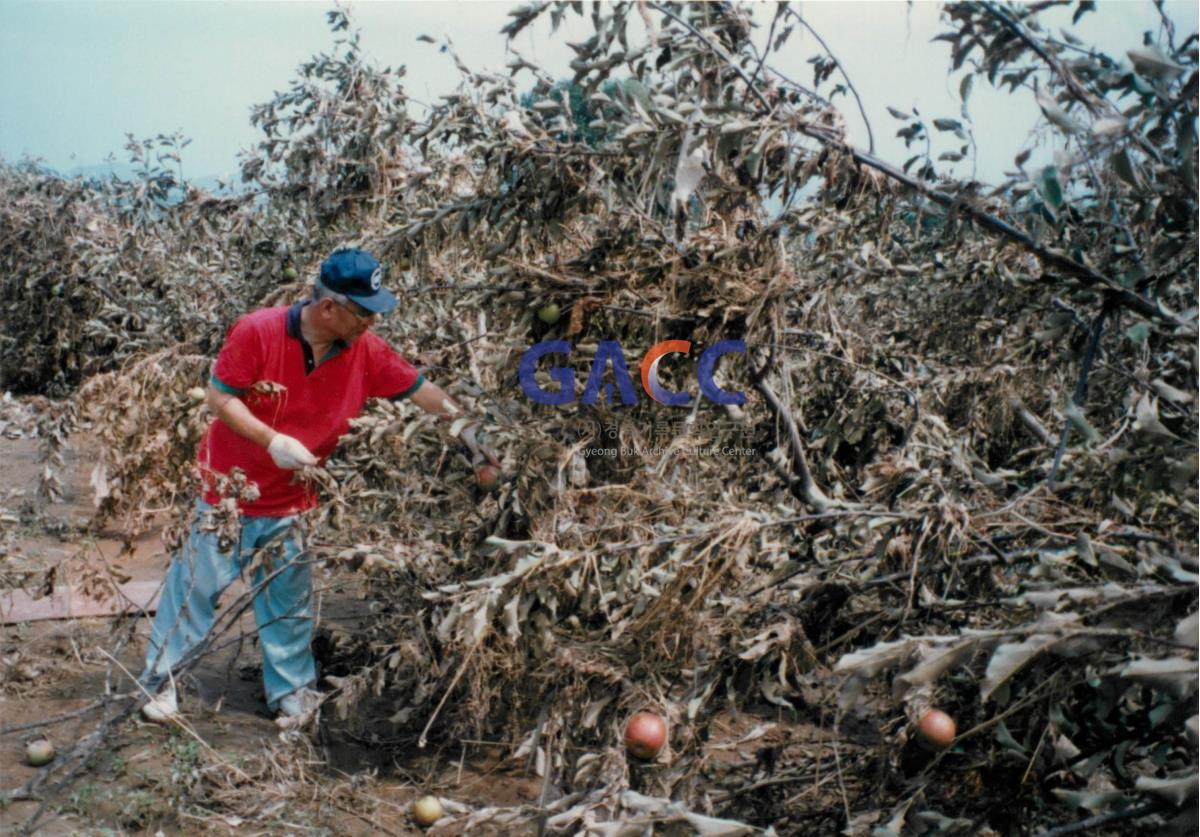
(862, 110)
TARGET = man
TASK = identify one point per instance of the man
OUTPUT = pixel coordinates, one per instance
(286, 383)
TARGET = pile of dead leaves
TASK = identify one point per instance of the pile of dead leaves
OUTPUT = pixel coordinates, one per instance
(963, 475)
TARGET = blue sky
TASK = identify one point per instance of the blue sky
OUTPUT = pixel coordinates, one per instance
(76, 76)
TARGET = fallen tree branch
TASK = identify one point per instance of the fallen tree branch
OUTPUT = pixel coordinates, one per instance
(1103, 819)
(1032, 422)
(1089, 99)
(1067, 76)
(1086, 276)
(45, 722)
(807, 487)
(1078, 397)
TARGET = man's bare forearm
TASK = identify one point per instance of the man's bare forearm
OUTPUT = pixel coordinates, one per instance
(433, 399)
(234, 413)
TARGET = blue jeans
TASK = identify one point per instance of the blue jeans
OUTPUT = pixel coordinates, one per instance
(199, 574)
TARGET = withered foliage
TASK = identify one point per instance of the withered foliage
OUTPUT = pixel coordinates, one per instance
(964, 477)
(103, 271)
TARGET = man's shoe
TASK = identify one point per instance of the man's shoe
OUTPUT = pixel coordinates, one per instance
(163, 707)
(300, 703)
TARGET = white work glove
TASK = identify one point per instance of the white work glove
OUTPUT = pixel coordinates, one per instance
(290, 453)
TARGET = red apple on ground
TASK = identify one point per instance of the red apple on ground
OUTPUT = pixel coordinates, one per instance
(487, 477)
(645, 735)
(936, 729)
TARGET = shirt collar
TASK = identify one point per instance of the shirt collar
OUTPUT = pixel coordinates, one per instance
(293, 319)
(293, 324)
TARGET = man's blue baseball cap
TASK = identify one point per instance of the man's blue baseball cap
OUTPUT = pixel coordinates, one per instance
(357, 275)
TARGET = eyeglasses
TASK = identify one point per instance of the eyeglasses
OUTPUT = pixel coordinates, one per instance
(353, 307)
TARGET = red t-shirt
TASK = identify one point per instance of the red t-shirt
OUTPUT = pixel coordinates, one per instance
(267, 364)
